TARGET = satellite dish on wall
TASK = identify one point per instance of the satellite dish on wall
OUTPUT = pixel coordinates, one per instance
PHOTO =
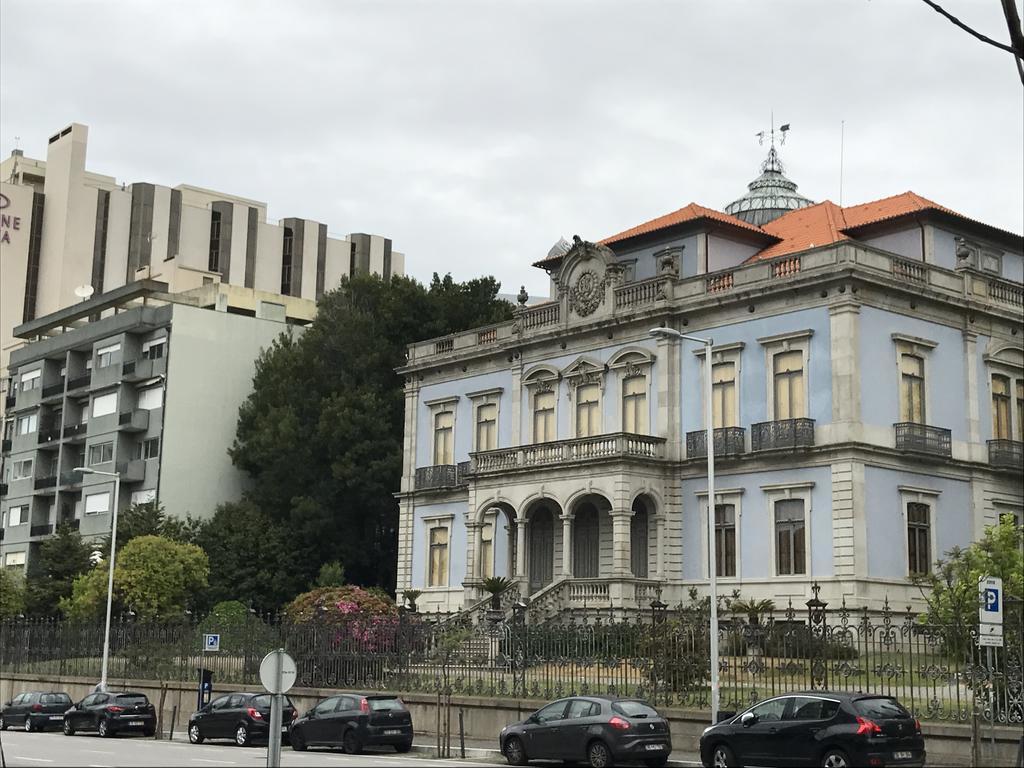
(84, 292)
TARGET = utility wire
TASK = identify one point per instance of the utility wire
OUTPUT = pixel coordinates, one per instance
(1013, 22)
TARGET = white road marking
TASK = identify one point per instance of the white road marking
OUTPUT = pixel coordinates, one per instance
(96, 751)
(207, 760)
(33, 759)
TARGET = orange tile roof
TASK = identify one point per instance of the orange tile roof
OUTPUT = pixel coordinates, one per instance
(820, 224)
(891, 208)
(690, 212)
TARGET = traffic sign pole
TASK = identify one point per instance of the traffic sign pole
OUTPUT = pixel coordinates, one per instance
(277, 673)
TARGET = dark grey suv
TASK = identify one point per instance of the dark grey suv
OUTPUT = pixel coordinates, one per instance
(599, 730)
(35, 710)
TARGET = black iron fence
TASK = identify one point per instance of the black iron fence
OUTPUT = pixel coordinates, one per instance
(936, 671)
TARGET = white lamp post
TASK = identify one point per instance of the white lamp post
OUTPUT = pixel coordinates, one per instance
(712, 557)
(110, 575)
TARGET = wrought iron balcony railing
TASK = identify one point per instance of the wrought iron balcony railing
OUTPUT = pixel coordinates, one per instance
(437, 476)
(729, 441)
(54, 389)
(80, 381)
(1006, 453)
(923, 438)
(786, 433)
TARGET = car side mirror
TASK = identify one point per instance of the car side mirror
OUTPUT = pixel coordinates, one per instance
(748, 719)
(533, 719)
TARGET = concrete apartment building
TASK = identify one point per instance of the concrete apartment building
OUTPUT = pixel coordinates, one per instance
(150, 390)
(63, 228)
(868, 405)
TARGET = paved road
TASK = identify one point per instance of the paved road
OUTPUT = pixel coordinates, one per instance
(39, 750)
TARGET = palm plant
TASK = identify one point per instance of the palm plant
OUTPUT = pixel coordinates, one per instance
(754, 609)
(495, 585)
(412, 595)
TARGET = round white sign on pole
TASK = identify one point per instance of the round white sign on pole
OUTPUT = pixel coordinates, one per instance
(277, 671)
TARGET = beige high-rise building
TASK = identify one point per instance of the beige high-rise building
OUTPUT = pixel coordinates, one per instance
(66, 233)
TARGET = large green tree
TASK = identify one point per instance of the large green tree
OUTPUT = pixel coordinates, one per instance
(12, 593)
(153, 576)
(321, 434)
(61, 558)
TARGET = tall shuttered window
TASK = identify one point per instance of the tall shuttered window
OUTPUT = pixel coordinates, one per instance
(788, 374)
(438, 576)
(588, 410)
(912, 388)
(634, 404)
(487, 548)
(543, 417)
(214, 260)
(919, 538)
(444, 431)
(1001, 408)
(790, 543)
(287, 246)
(723, 394)
(725, 540)
(487, 427)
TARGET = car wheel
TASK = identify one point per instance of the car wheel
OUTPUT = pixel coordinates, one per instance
(350, 742)
(194, 734)
(242, 736)
(835, 758)
(722, 757)
(598, 755)
(69, 730)
(104, 729)
(405, 746)
(298, 743)
(28, 724)
(514, 752)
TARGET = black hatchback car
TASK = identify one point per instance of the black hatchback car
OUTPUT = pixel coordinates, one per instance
(111, 713)
(353, 721)
(599, 730)
(35, 710)
(242, 717)
(818, 728)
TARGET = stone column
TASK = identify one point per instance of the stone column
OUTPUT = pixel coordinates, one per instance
(566, 545)
(973, 387)
(667, 417)
(473, 570)
(521, 524)
(516, 395)
(845, 356)
(620, 541)
(659, 544)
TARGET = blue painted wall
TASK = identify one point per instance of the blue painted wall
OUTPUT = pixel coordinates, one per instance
(753, 385)
(464, 424)
(755, 527)
(724, 253)
(645, 263)
(456, 543)
(886, 525)
(904, 242)
(945, 383)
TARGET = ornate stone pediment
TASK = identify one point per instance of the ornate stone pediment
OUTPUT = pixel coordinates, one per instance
(584, 277)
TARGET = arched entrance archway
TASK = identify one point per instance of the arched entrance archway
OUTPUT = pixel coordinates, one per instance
(639, 538)
(496, 542)
(586, 542)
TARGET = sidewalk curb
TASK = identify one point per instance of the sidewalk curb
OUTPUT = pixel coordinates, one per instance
(482, 753)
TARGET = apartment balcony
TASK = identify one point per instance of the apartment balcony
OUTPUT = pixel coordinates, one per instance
(74, 523)
(45, 485)
(49, 437)
(1006, 453)
(133, 421)
(617, 445)
(44, 529)
(70, 480)
(137, 370)
(729, 441)
(3, 490)
(133, 471)
(80, 382)
(75, 433)
(54, 391)
(5, 446)
(10, 401)
(786, 433)
(923, 439)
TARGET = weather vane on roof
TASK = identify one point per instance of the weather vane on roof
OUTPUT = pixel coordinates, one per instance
(771, 134)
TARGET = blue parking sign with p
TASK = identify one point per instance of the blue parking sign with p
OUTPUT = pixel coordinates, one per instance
(992, 600)
(211, 642)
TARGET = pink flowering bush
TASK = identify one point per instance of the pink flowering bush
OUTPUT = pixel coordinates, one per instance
(364, 620)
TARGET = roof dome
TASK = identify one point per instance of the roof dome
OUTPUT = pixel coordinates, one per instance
(771, 195)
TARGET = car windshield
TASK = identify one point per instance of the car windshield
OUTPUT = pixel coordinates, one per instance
(263, 702)
(385, 705)
(634, 709)
(55, 698)
(131, 699)
(881, 708)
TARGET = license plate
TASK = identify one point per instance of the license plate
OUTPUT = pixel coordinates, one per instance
(284, 729)
(392, 732)
(654, 747)
(136, 722)
(902, 755)
(56, 717)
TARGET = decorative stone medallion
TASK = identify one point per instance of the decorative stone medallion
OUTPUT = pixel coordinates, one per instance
(588, 293)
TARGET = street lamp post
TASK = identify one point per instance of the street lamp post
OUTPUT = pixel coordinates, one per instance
(110, 575)
(712, 556)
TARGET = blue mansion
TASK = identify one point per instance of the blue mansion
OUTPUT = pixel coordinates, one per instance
(868, 405)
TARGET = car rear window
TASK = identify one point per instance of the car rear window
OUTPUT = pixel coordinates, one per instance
(881, 708)
(54, 698)
(263, 702)
(131, 699)
(634, 709)
(393, 704)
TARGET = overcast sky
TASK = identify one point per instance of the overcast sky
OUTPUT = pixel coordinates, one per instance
(475, 134)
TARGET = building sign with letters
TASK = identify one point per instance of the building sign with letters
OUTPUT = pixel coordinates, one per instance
(8, 221)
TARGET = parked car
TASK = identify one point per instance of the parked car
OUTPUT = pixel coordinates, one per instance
(111, 713)
(242, 717)
(35, 710)
(353, 721)
(828, 729)
(599, 730)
